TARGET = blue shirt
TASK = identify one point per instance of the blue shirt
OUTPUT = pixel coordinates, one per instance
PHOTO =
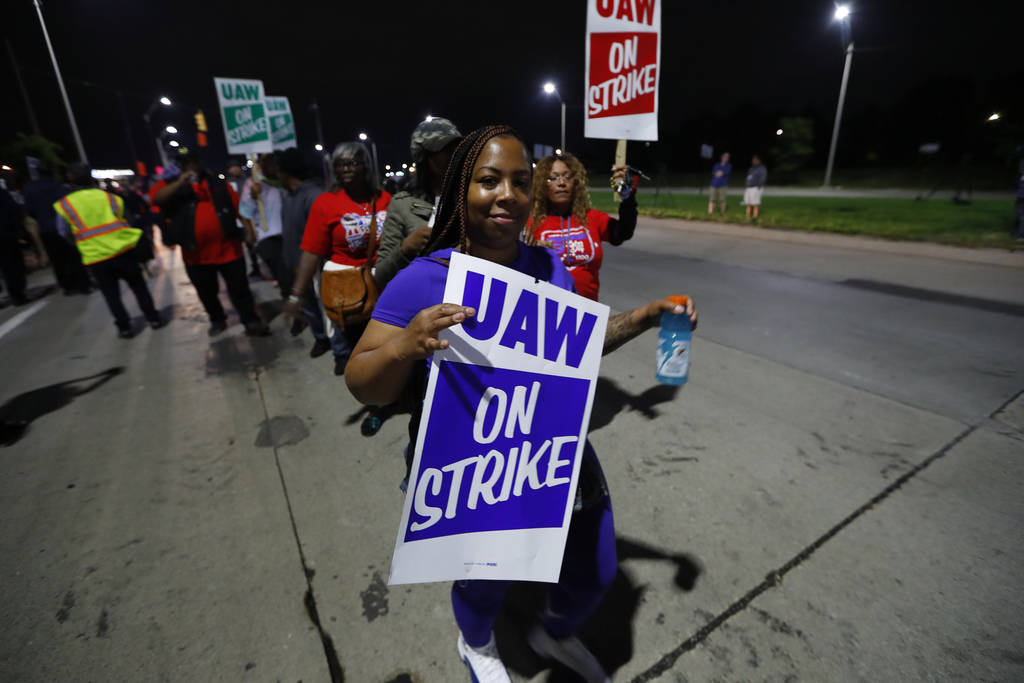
(421, 284)
(720, 175)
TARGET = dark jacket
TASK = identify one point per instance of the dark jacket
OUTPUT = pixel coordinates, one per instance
(295, 206)
(178, 214)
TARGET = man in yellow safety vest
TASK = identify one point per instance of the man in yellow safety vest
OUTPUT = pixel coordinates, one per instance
(94, 219)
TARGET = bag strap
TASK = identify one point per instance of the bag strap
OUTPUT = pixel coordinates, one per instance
(371, 252)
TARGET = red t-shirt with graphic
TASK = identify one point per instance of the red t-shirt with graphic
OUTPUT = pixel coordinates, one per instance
(337, 226)
(211, 247)
(579, 246)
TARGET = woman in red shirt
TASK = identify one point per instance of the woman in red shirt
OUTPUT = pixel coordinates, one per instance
(338, 229)
(563, 219)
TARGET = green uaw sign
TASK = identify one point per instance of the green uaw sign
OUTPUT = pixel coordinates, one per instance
(282, 125)
(244, 114)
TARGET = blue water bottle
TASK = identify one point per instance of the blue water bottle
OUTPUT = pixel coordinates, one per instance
(673, 358)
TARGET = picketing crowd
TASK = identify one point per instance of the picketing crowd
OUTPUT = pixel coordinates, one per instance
(364, 271)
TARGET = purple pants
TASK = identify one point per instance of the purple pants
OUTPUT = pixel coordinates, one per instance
(588, 569)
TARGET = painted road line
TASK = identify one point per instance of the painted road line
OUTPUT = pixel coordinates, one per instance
(13, 323)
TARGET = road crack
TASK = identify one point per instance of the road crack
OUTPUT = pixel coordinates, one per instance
(774, 578)
(309, 599)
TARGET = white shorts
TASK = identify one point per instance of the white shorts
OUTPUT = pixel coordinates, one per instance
(752, 196)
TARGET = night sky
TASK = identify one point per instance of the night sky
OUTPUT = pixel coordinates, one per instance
(730, 68)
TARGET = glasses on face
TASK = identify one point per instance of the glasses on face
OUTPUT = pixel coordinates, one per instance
(564, 177)
(348, 163)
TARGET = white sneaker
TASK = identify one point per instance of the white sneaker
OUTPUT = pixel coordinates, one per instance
(570, 652)
(484, 663)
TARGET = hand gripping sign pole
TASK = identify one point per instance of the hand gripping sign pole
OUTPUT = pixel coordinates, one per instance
(257, 177)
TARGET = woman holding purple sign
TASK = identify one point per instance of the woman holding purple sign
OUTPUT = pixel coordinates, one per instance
(484, 206)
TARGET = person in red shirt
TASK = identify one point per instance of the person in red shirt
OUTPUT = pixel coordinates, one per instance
(198, 212)
(563, 220)
(338, 229)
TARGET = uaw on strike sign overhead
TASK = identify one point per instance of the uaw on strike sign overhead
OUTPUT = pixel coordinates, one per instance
(244, 113)
(501, 438)
(623, 69)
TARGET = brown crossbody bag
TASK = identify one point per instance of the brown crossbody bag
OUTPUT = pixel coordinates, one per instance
(349, 295)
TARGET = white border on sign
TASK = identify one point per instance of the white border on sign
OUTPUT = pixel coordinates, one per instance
(494, 554)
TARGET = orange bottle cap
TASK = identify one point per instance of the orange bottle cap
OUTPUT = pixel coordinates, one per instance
(680, 299)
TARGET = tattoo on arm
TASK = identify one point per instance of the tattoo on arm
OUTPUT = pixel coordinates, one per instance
(622, 328)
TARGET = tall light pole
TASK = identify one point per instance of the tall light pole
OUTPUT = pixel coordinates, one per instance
(842, 15)
(165, 101)
(60, 82)
(550, 89)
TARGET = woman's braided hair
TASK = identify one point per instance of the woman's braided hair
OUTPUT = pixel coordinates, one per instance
(450, 221)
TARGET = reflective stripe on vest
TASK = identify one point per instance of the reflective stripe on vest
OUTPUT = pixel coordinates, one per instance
(76, 220)
(99, 230)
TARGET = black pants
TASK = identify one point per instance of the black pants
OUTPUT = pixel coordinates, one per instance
(108, 275)
(12, 265)
(204, 278)
(269, 249)
(67, 263)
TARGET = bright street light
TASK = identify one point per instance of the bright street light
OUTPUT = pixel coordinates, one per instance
(221, 176)
(842, 15)
(318, 147)
(171, 129)
(405, 165)
(362, 136)
(173, 143)
(429, 118)
(558, 151)
(994, 117)
(778, 132)
(166, 101)
(387, 167)
(550, 89)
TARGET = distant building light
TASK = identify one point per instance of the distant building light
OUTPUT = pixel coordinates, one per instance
(5, 167)
(173, 143)
(399, 173)
(362, 136)
(405, 165)
(387, 167)
(166, 101)
(171, 129)
(107, 173)
(778, 132)
(318, 147)
(994, 117)
(221, 176)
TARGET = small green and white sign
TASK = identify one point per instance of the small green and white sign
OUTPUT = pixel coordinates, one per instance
(282, 125)
(243, 111)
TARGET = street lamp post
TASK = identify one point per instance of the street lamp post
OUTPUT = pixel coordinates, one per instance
(842, 15)
(60, 82)
(165, 101)
(363, 137)
(550, 89)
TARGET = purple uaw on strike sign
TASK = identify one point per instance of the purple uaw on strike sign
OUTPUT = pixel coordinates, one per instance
(528, 427)
(504, 423)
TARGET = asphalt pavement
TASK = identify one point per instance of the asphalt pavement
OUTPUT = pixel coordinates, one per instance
(833, 496)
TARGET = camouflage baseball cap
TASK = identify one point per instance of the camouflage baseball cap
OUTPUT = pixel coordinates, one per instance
(432, 136)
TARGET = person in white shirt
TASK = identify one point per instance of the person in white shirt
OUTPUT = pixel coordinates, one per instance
(267, 237)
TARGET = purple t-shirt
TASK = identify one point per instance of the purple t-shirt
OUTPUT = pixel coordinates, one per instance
(421, 284)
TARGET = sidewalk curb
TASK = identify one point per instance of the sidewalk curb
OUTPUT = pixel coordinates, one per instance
(992, 257)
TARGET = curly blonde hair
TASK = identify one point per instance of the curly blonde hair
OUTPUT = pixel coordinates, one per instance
(539, 192)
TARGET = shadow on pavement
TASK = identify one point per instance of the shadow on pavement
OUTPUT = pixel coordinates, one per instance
(610, 400)
(19, 412)
(608, 632)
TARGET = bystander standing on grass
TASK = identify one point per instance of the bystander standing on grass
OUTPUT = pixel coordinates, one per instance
(719, 184)
(756, 177)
